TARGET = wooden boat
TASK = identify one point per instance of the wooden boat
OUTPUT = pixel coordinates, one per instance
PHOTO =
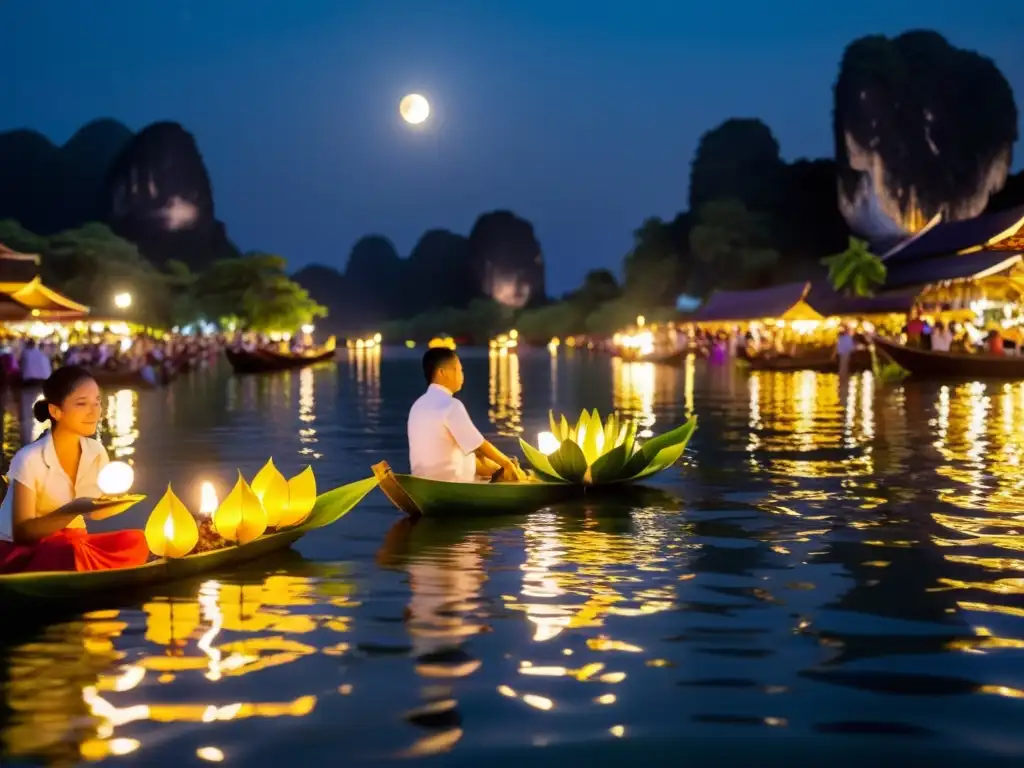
(418, 496)
(265, 361)
(61, 586)
(952, 365)
(822, 362)
(107, 378)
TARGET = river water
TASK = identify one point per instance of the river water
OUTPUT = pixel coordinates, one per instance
(834, 571)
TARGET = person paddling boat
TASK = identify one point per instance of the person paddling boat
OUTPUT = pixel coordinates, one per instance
(52, 484)
(444, 444)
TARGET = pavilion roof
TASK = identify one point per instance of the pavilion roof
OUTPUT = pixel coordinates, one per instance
(990, 230)
(937, 269)
(832, 304)
(42, 302)
(785, 302)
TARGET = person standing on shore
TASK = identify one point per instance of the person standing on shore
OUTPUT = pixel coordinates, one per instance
(844, 349)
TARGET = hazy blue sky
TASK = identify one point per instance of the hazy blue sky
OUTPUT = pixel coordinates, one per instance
(581, 115)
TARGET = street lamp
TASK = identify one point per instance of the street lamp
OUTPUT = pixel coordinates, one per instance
(122, 300)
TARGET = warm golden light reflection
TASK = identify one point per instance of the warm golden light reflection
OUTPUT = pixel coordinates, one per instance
(307, 412)
(505, 392)
(228, 631)
(793, 415)
(119, 422)
(47, 720)
(634, 392)
(574, 579)
(364, 369)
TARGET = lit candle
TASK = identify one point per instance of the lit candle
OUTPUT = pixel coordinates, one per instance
(207, 500)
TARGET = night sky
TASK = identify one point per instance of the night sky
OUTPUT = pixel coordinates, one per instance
(580, 115)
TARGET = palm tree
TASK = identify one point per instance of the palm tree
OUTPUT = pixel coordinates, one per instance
(856, 270)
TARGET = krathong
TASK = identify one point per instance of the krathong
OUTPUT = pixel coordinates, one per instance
(271, 503)
(596, 452)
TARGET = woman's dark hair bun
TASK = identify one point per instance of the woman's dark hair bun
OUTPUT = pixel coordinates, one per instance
(58, 388)
(41, 410)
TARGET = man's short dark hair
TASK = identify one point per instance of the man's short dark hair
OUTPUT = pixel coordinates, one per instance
(436, 358)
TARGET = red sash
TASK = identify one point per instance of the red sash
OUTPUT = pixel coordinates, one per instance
(74, 549)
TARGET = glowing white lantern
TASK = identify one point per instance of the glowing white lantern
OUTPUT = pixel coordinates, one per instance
(116, 478)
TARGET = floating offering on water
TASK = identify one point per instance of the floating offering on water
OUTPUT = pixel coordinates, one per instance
(271, 503)
(596, 452)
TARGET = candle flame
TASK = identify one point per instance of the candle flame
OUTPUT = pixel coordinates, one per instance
(547, 443)
(169, 528)
(207, 499)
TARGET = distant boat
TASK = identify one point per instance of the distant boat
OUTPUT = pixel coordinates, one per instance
(952, 365)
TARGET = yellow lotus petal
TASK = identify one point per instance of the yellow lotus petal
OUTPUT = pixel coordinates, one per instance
(611, 431)
(563, 430)
(271, 489)
(240, 517)
(622, 433)
(301, 498)
(589, 432)
(171, 531)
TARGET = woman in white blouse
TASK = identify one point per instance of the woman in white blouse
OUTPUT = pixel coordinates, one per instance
(51, 484)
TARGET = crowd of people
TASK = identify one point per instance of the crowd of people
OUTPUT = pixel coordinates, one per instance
(960, 337)
(26, 361)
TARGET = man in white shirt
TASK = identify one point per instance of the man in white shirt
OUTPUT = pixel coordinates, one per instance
(35, 365)
(443, 442)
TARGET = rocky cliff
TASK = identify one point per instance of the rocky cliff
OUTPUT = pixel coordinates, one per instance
(47, 188)
(507, 259)
(921, 127)
(151, 188)
(161, 199)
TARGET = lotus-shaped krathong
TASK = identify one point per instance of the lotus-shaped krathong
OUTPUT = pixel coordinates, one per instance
(596, 452)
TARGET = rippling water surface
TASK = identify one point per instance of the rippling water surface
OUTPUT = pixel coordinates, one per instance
(832, 570)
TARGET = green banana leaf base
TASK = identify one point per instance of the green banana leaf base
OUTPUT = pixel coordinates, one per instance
(73, 585)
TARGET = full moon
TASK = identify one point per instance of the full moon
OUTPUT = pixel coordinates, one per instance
(414, 109)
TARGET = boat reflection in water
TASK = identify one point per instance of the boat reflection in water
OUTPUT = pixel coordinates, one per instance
(446, 574)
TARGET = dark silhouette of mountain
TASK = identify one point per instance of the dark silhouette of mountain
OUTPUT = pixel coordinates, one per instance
(921, 127)
(445, 270)
(161, 198)
(151, 188)
(507, 259)
(47, 188)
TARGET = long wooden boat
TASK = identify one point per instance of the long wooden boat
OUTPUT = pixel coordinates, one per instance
(265, 361)
(418, 496)
(952, 365)
(860, 360)
(62, 586)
